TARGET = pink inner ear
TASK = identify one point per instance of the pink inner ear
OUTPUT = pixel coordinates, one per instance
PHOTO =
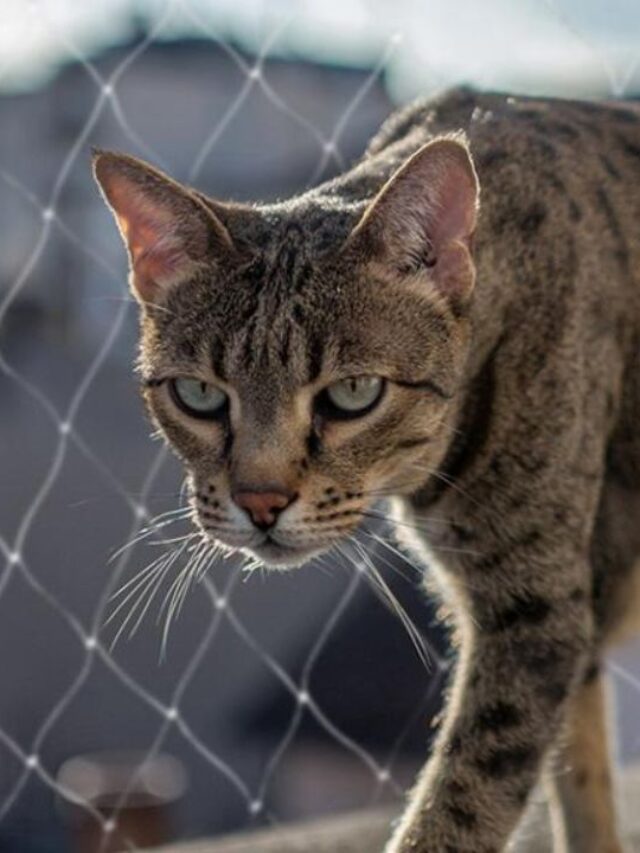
(454, 217)
(147, 230)
(158, 254)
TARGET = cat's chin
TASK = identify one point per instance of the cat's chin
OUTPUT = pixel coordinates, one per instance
(278, 557)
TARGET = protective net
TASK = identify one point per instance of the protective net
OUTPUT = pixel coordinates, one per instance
(81, 476)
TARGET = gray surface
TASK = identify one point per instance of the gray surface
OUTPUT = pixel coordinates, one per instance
(353, 833)
(366, 832)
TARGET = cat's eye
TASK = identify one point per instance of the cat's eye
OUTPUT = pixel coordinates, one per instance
(352, 397)
(197, 398)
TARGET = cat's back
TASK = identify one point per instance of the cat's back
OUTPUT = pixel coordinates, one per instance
(561, 197)
(578, 160)
(548, 169)
(558, 243)
(558, 254)
(601, 138)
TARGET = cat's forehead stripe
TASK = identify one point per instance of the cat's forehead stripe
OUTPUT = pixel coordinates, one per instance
(315, 356)
(217, 352)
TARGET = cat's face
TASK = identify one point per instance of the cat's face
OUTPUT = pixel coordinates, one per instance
(301, 359)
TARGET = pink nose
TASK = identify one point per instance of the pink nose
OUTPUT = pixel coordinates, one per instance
(263, 507)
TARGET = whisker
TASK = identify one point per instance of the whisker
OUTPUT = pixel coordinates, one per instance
(390, 600)
(141, 577)
(191, 548)
(449, 481)
(394, 493)
(445, 549)
(463, 580)
(171, 541)
(324, 566)
(139, 590)
(152, 578)
(154, 526)
(249, 567)
(150, 599)
(137, 579)
(203, 558)
(205, 564)
(202, 553)
(184, 489)
(150, 583)
(168, 605)
(397, 553)
(176, 511)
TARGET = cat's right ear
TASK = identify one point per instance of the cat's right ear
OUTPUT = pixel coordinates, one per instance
(169, 233)
(424, 217)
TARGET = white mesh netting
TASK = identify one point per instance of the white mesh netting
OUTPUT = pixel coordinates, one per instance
(81, 476)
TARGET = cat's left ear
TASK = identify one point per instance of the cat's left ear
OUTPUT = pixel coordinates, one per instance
(424, 217)
(168, 231)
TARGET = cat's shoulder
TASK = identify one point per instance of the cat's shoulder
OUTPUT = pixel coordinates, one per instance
(500, 126)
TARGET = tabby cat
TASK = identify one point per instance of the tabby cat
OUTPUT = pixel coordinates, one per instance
(379, 336)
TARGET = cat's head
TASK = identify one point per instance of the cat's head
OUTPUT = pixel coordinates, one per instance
(301, 358)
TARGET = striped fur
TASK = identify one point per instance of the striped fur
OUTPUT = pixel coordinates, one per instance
(511, 412)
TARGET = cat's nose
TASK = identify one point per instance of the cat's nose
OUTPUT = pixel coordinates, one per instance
(263, 507)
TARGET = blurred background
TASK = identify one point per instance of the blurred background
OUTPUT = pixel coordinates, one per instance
(277, 697)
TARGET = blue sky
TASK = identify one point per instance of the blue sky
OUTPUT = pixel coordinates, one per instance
(581, 47)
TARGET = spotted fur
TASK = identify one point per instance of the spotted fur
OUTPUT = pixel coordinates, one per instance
(510, 410)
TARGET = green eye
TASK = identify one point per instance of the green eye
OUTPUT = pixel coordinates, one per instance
(196, 398)
(352, 397)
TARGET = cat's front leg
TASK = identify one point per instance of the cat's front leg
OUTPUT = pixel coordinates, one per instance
(524, 645)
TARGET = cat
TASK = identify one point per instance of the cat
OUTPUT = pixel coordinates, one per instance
(452, 324)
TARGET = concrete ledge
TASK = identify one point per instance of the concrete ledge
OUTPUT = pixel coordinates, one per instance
(367, 831)
(351, 833)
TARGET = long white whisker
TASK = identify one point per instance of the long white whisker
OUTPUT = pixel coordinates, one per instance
(203, 568)
(153, 527)
(421, 528)
(154, 592)
(396, 553)
(396, 607)
(178, 589)
(150, 592)
(151, 583)
(157, 576)
(135, 583)
(149, 568)
(198, 559)
(145, 582)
